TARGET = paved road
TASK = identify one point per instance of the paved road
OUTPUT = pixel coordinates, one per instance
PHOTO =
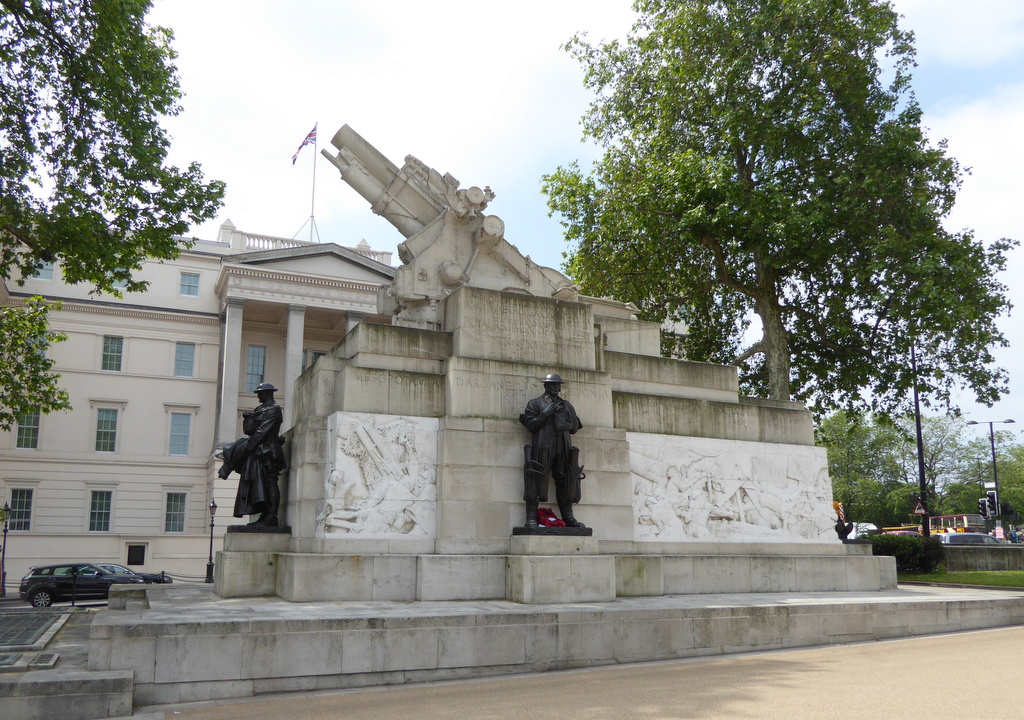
(974, 674)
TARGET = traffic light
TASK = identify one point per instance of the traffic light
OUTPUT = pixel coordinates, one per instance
(983, 506)
(993, 508)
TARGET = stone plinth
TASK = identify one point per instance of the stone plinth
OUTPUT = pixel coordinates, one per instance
(546, 568)
(247, 566)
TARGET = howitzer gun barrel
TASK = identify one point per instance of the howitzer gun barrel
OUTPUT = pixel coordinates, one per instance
(394, 194)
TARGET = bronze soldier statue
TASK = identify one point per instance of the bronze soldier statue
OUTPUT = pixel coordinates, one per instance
(258, 456)
(552, 420)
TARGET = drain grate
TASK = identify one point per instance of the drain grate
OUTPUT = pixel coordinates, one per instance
(7, 659)
(24, 628)
(44, 661)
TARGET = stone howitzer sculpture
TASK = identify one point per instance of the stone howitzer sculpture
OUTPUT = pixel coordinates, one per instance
(450, 241)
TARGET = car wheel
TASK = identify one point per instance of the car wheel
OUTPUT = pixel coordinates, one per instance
(41, 598)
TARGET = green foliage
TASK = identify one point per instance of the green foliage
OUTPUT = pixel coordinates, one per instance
(1011, 472)
(912, 553)
(873, 464)
(84, 180)
(26, 383)
(756, 164)
(83, 175)
(865, 463)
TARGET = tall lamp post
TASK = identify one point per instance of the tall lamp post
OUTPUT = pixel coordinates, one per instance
(995, 474)
(3, 554)
(209, 563)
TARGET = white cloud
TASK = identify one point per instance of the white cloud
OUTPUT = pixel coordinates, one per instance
(984, 136)
(484, 92)
(976, 33)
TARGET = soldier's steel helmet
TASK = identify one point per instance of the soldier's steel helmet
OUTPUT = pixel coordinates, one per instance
(265, 386)
(553, 378)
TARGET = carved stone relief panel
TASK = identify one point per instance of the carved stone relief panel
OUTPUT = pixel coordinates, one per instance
(381, 478)
(687, 488)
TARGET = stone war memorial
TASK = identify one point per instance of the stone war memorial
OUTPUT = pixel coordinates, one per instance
(406, 468)
(422, 456)
(405, 497)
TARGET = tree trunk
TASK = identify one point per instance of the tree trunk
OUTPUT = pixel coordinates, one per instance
(775, 338)
(776, 349)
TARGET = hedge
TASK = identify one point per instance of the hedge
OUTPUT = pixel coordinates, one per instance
(913, 553)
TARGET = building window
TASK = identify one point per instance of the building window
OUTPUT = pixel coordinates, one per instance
(21, 509)
(106, 429)
(189, 285)
(174, 517)
(44, 270)
(181, 424)
(309, 357)
(28, 430)
(99, 510)
(254, 366)
(184, 359)
(113, 348)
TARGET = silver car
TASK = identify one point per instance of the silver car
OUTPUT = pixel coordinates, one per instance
(967, 539)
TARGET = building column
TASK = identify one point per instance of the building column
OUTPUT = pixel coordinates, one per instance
(352, 318)
(293, 357)
(230, 370)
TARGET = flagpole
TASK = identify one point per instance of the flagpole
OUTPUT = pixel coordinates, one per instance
(310, 137)
(312, 200)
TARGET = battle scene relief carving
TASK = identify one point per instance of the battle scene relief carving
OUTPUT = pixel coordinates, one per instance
(706, 489)
(382, 478)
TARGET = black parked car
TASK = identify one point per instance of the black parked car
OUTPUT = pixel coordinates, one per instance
(159, 577)
(44, 586)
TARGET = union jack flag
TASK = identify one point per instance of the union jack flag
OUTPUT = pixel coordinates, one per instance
(310, 140)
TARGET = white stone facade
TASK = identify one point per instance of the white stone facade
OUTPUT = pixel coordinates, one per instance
(180, 370)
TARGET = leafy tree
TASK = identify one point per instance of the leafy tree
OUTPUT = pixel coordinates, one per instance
(26, 383)
(865, 459)
(873, 464)
(83, 174)
(1010, 467)
(756, 164)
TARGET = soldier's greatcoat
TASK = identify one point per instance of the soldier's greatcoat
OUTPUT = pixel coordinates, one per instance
(551, 449)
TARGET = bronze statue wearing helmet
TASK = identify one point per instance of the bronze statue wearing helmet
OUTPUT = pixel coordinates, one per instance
(552, 421)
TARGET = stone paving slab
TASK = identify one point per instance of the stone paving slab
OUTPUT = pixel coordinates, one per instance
(189, 603)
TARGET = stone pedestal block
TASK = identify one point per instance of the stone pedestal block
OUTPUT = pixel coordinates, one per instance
(554, 545)
(266, 542)
(245, 574)
(559, 578)
(520, 328)
(545, 568)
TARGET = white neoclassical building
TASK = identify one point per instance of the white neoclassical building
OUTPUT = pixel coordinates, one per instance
(157, 381)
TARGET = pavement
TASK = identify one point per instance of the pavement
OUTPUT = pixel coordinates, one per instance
(942, 676)
(971, 674)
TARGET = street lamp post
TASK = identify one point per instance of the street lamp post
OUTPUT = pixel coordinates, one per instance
(3, 554)
(209, 563)
(995, 474)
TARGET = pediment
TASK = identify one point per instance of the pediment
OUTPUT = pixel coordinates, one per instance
(325, 260)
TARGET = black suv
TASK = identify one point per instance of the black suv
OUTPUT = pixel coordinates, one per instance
(44, 586)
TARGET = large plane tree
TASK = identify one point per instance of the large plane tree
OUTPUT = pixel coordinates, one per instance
(84, 177)
(765, 162)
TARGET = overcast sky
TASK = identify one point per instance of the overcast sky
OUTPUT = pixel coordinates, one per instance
(483, 91)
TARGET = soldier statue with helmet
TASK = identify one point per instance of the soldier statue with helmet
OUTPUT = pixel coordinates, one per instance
(258, 456)
(552, 421)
